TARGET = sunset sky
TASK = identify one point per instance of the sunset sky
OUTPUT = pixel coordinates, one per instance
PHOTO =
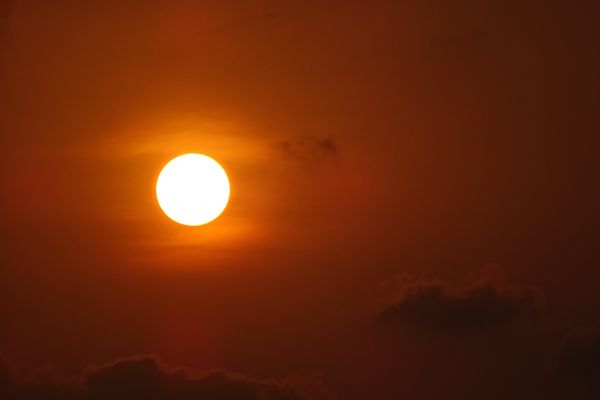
(414, 210)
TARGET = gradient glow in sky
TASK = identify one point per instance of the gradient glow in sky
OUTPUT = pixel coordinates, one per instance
(414, 198)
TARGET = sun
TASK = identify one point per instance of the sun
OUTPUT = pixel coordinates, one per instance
(192, 189)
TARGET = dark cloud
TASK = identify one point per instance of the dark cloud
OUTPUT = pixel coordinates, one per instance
(439, 307)
(580, 355)
(147, 377)
(307, 148)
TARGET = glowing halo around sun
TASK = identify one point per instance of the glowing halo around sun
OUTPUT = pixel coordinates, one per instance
(192, 189)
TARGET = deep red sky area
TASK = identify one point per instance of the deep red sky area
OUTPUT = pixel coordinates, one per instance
(414, 209)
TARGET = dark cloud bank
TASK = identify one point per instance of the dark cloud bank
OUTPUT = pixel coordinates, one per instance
(437, 307)
(506, 367)
(147, 377)
(485, 339)
(580, 355)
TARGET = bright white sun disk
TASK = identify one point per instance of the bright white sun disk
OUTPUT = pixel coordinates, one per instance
(192, 189)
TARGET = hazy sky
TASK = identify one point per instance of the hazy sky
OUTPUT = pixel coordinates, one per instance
(414, 209)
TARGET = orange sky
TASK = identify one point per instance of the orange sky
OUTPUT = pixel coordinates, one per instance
(367, 143)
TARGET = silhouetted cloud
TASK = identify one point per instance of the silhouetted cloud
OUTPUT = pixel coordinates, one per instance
(307, 148)
(580, 354)
(147, 377)
(437, 306)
